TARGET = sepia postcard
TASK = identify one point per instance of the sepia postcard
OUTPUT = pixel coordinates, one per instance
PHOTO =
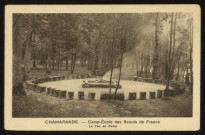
(102, 67)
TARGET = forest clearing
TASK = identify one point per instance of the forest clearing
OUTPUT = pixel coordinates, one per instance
(148, 54)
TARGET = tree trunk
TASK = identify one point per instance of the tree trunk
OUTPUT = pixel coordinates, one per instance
(53, 63)
(111, 65)
(175, 23)
(27, 58)
(17, 54)
(89, 64)
(34, 55)
(191, 59)
(147, 66)
(49, 58)
(173, 63)
(142, 66)
(59, 62)
(169, 59)
(73, 57)
(71, 68)
(27, 62)
(66, 64)
(183, 76)
(173, 52)
(177, 76)
(74, 62)
(156, 51)
(123, 43)
(119, 76)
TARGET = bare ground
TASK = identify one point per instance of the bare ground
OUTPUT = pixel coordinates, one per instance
(40, 105)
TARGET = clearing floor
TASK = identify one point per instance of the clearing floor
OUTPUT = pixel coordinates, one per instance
(76, 85)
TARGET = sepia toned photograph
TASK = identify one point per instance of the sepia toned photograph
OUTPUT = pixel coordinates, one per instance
(102, 65)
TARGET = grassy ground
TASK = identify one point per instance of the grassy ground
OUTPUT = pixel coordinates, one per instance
(40, 105)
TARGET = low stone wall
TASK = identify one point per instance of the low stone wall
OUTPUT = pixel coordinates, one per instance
(33, 85)
(178, 87)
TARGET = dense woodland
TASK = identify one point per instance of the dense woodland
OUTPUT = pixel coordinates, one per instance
(161, 43)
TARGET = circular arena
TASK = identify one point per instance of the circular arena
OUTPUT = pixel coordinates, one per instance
(70, 87)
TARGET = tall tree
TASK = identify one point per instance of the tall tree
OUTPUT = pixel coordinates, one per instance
(112, 52)
(17, 55)
(28, 42)
(169, 57)
(156, 50)
(173, 58)
(34, 38)
(191, 55)
(122, 49)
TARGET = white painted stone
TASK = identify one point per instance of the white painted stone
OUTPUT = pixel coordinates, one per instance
(75, 96)
(126, 95)
(155, 94)
(86, 94)
(67, 96)
(147, 95)
(138, 95)
(97, 95)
